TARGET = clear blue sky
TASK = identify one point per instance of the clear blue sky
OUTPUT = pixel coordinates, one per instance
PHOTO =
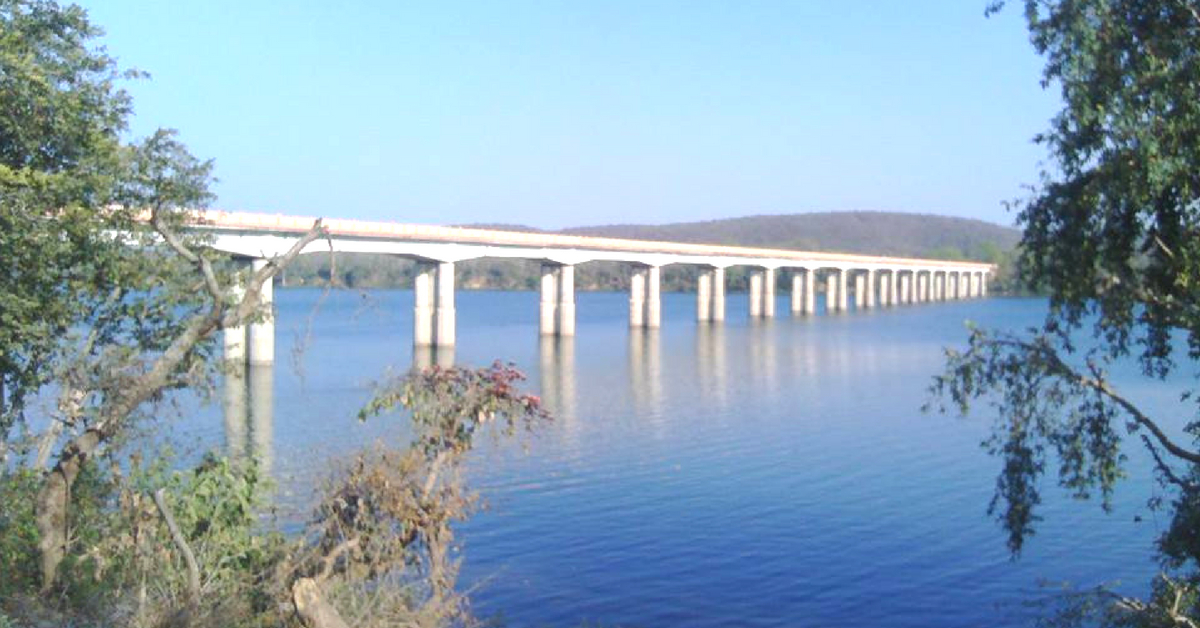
(566, 113)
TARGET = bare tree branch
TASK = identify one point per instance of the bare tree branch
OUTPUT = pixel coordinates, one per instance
(1062, 369)
(193, 569)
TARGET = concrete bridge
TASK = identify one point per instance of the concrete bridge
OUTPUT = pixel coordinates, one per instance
(873, 281)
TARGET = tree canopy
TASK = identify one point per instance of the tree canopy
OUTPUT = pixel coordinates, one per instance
(1111, 232)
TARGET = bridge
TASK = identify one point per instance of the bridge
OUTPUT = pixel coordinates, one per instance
(874, 281)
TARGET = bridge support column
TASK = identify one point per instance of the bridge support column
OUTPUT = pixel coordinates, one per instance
(637, 297)
(843, 292)
(800, 282)
(983, 287)
(444, 314)
(261, 333)
(548, 306)
(718, 294)
(704, 296)
(768, 294)
(423, 303)
(860, 291)
(566, 300)
(871, 277)
(756, 292)
(653, 300)
(233, 339)
(809, 303)
(885, 281)
(830, 291)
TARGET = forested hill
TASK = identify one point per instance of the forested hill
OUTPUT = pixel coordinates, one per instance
(882, 233)
(887, 233)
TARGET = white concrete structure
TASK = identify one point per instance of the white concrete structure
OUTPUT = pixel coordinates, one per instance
(877, 280)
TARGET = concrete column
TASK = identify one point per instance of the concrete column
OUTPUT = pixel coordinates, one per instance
(444, 314)
(904, 283)
(870, 300)
(860, 290)
(983, 287)
(423, 304)
(637, 297)
(260, 336)
(548, 307)
(893, 287)
(768, 310)
(704, 296)
(233, 339)
(922, 282)
(797, 297)
(756, 293)
(653, 302)
(566, 300)
(885, 282)
(809, 304)
(831, 291)
(843, 293)
(718, 294)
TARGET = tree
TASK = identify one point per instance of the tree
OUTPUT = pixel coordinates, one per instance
(1112, 232)
(103, 294)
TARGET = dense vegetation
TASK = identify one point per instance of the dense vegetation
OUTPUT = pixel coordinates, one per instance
(108, 306)
(1113, 234)
(880, 233)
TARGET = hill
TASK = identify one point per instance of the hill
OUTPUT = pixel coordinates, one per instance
(887, 233)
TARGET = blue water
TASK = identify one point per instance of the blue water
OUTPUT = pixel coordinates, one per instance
(775, 473)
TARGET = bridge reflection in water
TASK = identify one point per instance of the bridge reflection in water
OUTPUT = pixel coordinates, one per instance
(248, 404)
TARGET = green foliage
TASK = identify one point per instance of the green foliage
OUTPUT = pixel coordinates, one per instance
(1111, 235)
(78, 270)
(18, 533)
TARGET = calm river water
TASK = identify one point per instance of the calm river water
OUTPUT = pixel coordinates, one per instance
(778, 473)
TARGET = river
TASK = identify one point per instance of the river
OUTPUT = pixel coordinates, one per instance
(768, 473)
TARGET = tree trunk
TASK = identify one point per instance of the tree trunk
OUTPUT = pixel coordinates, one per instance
(53, 500)
(312, 608)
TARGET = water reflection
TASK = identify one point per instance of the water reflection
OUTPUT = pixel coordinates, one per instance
(711, 364)
(645, 371)
(427, 356)
(557, 371)
(248, 405)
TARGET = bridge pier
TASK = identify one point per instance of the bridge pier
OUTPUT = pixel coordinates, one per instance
(548, 307)
(870, 300)
(444, 314)
(769, 284)
(566, 300)
(557, 308)
(433, 304)
(704, 296)
(755, 288)
(423, 304)
(261, 333)
(718, 294)
(860, 290)
(645, 304)
(801, 291)
(233, 339)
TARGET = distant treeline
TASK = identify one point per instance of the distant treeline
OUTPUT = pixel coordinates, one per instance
(878, 233)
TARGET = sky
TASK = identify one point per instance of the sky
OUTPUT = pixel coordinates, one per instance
(567, 113)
